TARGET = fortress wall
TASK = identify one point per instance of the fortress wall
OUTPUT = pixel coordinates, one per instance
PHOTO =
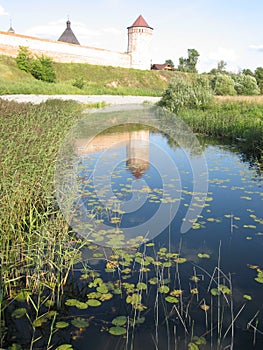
(63, 52)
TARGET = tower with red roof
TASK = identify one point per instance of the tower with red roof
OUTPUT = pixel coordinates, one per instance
(139, 43)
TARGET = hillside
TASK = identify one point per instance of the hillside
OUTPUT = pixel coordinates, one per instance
(95, 80)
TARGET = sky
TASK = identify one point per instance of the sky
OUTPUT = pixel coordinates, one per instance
(229, 30)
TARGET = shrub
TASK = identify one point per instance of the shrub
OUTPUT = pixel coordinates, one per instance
(246, 85)
(79, 83)
(24, 59)
(223, 85)
(40, 67)
(187, 92)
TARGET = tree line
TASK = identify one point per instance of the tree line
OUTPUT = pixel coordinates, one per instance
(223, 82)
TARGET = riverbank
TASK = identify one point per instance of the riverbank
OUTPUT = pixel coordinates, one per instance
(84, 99)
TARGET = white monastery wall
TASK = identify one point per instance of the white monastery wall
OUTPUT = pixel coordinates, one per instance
(63, 52)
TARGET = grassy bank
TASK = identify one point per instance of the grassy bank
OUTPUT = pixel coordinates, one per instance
(97, 80)
(239, 120)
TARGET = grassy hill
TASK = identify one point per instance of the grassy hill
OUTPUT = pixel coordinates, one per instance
(96, 79)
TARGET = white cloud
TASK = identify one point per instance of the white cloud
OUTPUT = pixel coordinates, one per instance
(3, 11)
(108, 37)
(210, 59)
(256, 47)
(228, 55)
(55, 29)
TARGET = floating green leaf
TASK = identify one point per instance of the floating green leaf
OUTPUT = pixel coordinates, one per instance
(117, 330)
(80, 322)
(38, 322)
(140, 320)
(192, 346)
(215, 291)
(119, 321)
(61, 324)
(18, 313)
(65, 347)
(133, 299)
(102, 289)
(164, 289)
(93, 302)
(141, 285)
(171, 299)
(23, 295)
(203, 256)
(247, 297)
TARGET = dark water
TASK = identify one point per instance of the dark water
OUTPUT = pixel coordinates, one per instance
(229, 229)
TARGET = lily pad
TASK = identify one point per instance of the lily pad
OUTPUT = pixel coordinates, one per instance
(64, 347)
(117, 330)
(61, 324)
(171, 299)
(93, 302)
(80, 322)
(141, 285)
(164, 289)
(119, 321)
(18, 313)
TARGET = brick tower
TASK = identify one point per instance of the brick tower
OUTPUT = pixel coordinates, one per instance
(139, 43)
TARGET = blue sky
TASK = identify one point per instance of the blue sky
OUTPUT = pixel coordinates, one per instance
(231, 30)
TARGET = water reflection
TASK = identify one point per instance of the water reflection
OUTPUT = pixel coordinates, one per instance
(136, 143)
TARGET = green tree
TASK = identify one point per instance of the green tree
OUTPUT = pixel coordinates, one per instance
(223, 85)
(189, 64)
(246, 85)
(24, 59)
(259, 78)
(247, 71)
(221, 66)
(188, 92)
(170, 62)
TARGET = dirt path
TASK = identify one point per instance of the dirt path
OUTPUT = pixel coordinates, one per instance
(109, 99)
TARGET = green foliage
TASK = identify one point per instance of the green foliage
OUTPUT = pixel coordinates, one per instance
(259, 78)
(79, 83)
(41, 67)
(223, 85)
(24, 59)
(188, 92)
(189, 64)
(170, 62)
(246, 85)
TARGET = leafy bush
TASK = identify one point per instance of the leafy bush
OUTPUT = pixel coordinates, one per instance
(187, 92)
(40, 67)
(24, 59)
(79, 83)
(223, 85)
(246, 85)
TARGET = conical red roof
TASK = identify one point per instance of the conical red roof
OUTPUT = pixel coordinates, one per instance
(140, 22)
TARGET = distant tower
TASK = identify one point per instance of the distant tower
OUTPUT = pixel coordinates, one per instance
(11, 30)
(68, 36)
(139, 43)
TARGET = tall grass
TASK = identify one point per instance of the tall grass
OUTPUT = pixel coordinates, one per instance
(36, 251)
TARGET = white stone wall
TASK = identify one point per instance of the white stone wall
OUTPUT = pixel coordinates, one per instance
(63, 52)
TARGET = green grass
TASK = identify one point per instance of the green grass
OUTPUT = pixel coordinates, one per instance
(97, 80)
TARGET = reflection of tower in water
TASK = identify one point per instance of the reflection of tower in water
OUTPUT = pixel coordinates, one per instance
(138, 152)
(137, 148)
